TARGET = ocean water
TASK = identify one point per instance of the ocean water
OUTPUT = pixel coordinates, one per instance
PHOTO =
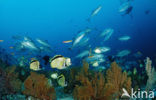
(55, 21)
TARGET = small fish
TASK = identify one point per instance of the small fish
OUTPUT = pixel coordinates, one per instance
(95, 64)
(61, 81)
(124, 38)
(80, 38)
(125, 8)
(107, 33)
(68, 41)
(35, 64)
(42, 42)
(94, 57)
(101, 49)
(138, 54)
(96, 11)
(83, 54)
(60, 62)
(123, 53)
(54, 76)
(29, 45)
(1, 40)
(11, 47)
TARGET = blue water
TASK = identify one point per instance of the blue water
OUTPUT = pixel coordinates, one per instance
(59, 20)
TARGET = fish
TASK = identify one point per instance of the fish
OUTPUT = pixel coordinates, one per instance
(94, 57)
(96, 11)
(107, 33)
(28, 45)
(26, 38)
(95, 64)
(124, 38)
(125, 8)
(101, 49)
(1, 40)
(54, 75)
(11, 47)
(68, 41)
(84, 42)
(138, 54)
(42, 42)
(83, 54)
(123, 53)
(80, 37)
(61, 81)
(35, 65)
(60, 62)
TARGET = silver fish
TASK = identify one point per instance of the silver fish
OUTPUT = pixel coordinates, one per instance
(123, 53)
(83, 54)
(42, 42)
(80, 37)
(107, 33)
(96, 11)
(124, 38)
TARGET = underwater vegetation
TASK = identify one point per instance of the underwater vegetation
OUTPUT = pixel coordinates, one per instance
(10, 82)
(151, 73)
(83, 83)
(37, 85)
(98, 87)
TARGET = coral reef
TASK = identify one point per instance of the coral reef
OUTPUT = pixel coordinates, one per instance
(13, 78)
(116, 81)
(151, 73)
(4, 83)
(37, 85)
(14, 97)
(93, 86)
(9, 82)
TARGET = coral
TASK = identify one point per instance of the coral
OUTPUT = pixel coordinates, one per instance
(4, 83)
(151, 73)
(95, 87)
(37, 85)
(91, 87)
(13, 78)
(116, 81)
(14, 97)
(9, 82)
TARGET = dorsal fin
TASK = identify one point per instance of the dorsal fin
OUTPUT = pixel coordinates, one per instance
(55, 57)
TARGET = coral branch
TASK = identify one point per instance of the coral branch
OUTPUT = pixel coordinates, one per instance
(95, 87)
(151, 73)
(37, 86)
